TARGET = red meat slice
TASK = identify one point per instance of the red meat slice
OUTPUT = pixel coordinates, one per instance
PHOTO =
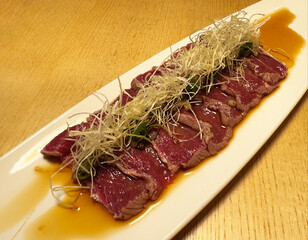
(224, 104)
(120, 194)
(221, 133)
(186, 149)
(267, 67)
(60, 146)
(146, 164)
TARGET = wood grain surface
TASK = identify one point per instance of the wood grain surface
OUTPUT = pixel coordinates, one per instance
(54, 53)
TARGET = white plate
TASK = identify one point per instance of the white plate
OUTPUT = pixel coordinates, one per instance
(176, 209)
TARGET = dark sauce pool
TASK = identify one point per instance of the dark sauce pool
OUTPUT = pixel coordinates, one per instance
(89, 219)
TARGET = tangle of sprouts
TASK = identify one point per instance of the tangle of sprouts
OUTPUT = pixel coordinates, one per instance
(159, 99)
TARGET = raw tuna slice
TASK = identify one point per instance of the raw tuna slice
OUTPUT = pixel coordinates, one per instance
(233, 85)
(254, 84)
(146, 164)
(272, 62)
(60, 146)
(247, 88)
(267, 67)
(225, 104)
(221, 133)
(120, 194)
(186, 149)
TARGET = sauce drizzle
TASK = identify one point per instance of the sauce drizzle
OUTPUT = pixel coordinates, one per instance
(89, 219)
(279, 40)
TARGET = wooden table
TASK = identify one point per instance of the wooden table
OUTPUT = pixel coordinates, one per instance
(54, 53)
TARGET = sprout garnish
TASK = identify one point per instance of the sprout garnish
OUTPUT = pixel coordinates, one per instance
(159, 100)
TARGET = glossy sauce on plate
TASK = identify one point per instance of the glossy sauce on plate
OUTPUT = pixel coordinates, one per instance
(89, 219)
(86, 219)
(280, 40)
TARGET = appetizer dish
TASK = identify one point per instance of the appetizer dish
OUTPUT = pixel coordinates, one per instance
(173, 117)
(150, 150)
